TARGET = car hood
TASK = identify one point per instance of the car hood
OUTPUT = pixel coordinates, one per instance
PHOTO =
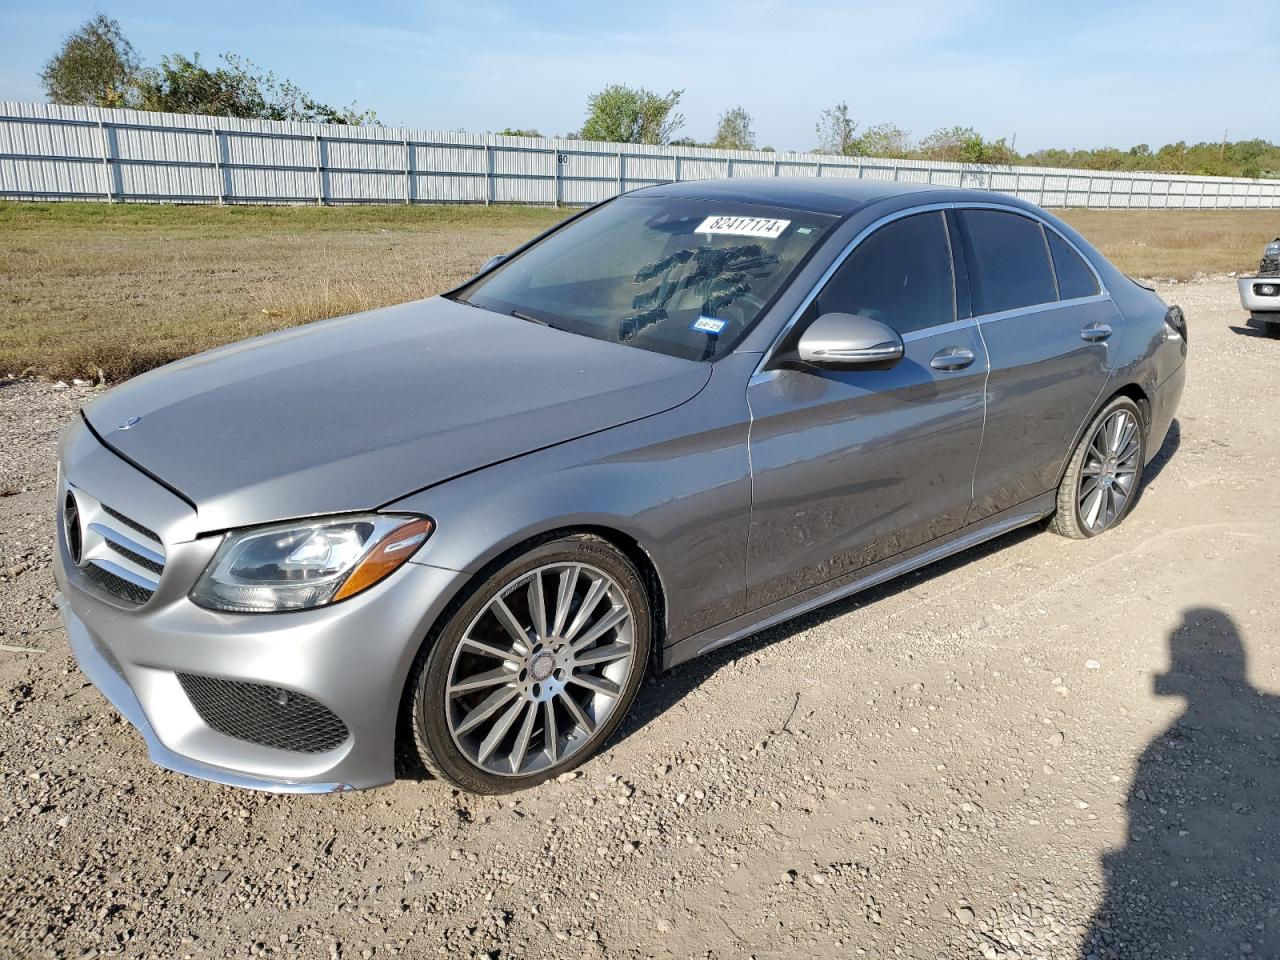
(354, 413)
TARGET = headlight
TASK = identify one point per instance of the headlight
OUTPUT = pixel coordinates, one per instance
(1272, 249)
(296, 566)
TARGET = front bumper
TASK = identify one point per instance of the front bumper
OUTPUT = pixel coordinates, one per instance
(352, 657)
(1254, 301)
(110, 681)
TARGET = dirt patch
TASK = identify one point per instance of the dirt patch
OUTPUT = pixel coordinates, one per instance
(1042, 748)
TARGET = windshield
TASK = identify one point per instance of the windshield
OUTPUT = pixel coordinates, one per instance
(682, 277)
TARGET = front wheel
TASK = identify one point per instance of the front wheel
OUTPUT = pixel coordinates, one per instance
(536, 669)
(1102, 477)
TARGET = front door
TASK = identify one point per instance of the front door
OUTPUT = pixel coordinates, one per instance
(851, 467)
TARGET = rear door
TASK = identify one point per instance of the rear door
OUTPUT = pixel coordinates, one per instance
(851, 467)
(1050, 331)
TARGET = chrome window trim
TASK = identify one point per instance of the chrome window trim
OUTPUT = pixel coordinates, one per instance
(760, 371)
(1040, 308)
(939, 328)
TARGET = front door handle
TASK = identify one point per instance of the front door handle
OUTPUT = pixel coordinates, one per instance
(953, 358)
(1095, 332)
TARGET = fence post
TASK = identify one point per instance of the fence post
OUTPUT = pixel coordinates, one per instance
(817, 169)
(319, 172)
(777, 168)
(408, 168)
(677, 168)
(621, 176)
(108, 188)
(555, 160)
(488, 172)
(728, 168)
(217, 165)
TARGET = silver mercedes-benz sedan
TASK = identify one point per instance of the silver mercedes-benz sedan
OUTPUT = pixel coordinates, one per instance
(456, 534)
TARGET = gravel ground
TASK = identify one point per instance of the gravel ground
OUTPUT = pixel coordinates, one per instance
(1043, 748)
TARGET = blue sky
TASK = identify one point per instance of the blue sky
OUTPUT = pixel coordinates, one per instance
(1067, 73)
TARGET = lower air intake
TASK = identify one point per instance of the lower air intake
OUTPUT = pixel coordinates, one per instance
(270, 716)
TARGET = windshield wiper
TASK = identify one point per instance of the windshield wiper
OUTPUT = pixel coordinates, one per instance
(538, 320)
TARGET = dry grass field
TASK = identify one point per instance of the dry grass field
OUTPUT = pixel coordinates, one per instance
(1178, 245)
(90, 290)
(89, 287)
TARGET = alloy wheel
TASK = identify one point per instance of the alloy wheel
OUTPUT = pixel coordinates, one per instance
(540, 669)
(1109, 471)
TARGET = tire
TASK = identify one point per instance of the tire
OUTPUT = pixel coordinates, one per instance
(496, 703)
(1101, 484)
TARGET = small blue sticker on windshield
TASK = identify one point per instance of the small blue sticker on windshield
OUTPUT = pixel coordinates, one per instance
(709, 325)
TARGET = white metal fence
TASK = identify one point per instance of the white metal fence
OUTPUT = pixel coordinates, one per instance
(84, 153)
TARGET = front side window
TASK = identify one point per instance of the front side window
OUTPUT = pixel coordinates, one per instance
(1008, 260)
(1075, 279)
(900, 275)
(682, 277)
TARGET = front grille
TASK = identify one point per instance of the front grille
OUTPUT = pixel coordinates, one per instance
(122, 588)
(146, 563)
(117, 554)
(131, 524)
(266, 715)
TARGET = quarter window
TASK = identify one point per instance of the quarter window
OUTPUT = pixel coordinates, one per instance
(1008, 261)
(900, 275)
(1075, 279)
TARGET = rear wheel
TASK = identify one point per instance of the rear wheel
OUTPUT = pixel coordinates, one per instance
(1103, 475)
(535, 671)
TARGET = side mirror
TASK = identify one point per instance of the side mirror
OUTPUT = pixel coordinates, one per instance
(493, 262)
(844, 341)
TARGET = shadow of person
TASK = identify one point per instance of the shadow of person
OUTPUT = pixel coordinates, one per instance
(1200, 874)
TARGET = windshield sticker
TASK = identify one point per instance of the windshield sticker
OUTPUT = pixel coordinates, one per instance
(744, 226)
(709, 325)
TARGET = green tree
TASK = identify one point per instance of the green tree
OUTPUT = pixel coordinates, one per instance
(95, 66)
(237, 88)
(519, 132)
(965, 145)
(836, 131)
(734, 131)
(622, 114)
(884, 140)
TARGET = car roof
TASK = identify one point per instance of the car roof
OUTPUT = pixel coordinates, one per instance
(833, 195)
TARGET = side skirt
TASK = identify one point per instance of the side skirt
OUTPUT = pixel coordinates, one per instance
(726, 633)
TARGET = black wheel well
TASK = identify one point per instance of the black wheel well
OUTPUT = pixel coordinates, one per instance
(637, 554)
(1138, 396)
(629, 547)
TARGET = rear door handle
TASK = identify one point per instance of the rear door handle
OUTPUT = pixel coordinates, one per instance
(952, 358)
(1095, 332)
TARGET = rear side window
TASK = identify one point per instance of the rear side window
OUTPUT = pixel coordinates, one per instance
(900, 275)
(1008, 261)
(1075, 279)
